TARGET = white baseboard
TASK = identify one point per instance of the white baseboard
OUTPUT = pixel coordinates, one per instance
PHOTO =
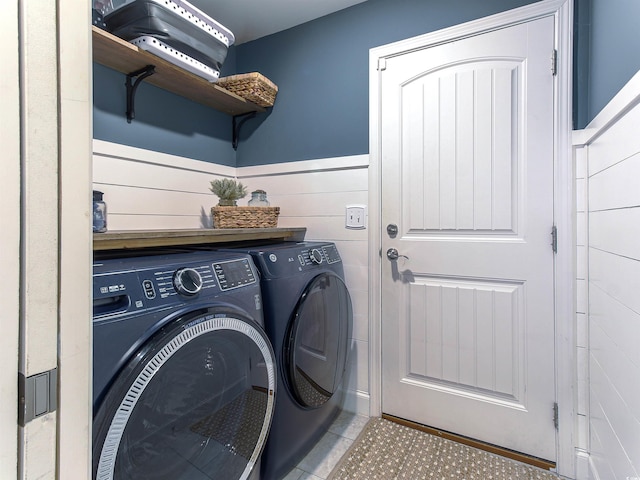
(356, 402)
(582, 465)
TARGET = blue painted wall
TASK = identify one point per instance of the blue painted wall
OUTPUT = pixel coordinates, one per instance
(164, 122)
(614, 50)
(322, 70)
(581, 61)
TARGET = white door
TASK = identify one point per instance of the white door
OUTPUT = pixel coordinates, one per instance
(467, 178)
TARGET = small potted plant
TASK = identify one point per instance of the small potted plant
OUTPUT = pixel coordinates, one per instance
(228, 215)
(228, 191)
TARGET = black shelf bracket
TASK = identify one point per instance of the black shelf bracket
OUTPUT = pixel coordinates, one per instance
(238, 121)
(139, 76)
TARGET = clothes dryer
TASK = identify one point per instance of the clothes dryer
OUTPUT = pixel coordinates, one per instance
(184, 375)
(308, 318)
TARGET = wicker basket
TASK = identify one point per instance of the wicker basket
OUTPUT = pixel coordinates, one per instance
(245, 217)
(251, 86)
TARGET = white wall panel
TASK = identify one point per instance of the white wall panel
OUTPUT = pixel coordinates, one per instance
(609, 369)
(152, 190)
(612, 147)
(617, 232)
(618, 276)
(619, 324)
(617, 144)
(608, 456)
(615, 187)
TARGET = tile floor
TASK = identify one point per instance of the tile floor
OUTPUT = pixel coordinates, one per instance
(317, 465)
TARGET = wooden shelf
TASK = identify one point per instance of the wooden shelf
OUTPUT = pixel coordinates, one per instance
(135, 239)
(120, 55)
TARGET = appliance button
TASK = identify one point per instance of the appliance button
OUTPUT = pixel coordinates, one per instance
(149, 291)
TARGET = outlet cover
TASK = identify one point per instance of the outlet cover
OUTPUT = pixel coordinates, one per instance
(356, 217)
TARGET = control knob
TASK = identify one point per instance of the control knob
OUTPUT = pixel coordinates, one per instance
(187, 281)
(316, 256)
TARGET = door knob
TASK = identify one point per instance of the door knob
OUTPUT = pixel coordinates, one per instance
(392, 254)
(392, 230)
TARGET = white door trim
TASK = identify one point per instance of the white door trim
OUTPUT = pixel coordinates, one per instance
(9, 237)
(563, 208)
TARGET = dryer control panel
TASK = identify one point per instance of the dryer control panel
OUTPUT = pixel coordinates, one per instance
(318, 255)
(283, 260)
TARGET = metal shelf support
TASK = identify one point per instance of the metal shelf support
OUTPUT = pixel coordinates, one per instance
(238, 121)
(139, 76)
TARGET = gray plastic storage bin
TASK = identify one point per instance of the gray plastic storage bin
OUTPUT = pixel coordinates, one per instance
(183, 34)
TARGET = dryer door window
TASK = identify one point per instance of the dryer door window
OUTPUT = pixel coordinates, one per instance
(195, 403)
(316, 345)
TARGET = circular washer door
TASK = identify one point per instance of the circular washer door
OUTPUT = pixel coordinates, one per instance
(195, 403)
(316, 346)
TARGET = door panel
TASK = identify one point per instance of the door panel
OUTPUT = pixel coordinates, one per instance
(465, 336)
(466, 183)
(467, 175)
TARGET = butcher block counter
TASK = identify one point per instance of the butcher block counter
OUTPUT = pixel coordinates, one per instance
(138, 239)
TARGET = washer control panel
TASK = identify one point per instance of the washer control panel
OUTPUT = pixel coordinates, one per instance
(120, 287)
(234, 274)
(184, 281)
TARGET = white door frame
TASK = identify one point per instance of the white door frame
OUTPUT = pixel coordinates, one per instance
(563, 205)
(9, 237)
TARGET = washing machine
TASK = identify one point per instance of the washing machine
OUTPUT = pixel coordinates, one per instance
(308, 318)
(184, 376)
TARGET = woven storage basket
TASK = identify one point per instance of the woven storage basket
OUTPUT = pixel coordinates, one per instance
(251, 86)
(245, 217)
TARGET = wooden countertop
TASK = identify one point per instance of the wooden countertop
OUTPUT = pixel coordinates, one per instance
(135, 239)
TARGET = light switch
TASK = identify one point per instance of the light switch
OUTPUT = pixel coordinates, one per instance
(356, 217)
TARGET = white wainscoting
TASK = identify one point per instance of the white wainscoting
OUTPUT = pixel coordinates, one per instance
(150, 190)
(146, 190)
(581, 442)
(612, 147)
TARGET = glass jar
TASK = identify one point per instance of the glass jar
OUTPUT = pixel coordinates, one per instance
(259, 199)
(99, 212)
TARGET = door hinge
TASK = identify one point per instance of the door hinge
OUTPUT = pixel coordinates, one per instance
(37, 395)
(554, 62)
(382, 64)
(555, 415)
(554, 239)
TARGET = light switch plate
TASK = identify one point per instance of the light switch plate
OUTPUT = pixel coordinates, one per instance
(356, 217)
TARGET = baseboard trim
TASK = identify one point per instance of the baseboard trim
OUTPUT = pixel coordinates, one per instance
(487, 447)
(356, 402)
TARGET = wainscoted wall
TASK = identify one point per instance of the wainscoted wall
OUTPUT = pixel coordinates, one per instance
(582, 320)
(611, 146)
(150, 190)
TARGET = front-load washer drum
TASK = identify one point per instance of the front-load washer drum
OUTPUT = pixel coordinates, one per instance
(195, 402)
(316, 346)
